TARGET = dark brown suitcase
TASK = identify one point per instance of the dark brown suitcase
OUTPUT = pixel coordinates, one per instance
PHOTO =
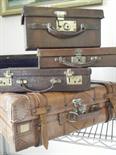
(77, 57)
(32, 119)
(43, 80)
(61, 28)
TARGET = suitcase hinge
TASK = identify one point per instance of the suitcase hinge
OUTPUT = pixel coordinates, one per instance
(64, 25)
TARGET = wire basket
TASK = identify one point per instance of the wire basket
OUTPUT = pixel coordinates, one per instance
(101, 135)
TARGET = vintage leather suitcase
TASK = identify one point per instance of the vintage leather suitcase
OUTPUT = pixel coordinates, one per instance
(61, 28)
(77, 57)
(32, 119)
(42, 80)
(30, 60)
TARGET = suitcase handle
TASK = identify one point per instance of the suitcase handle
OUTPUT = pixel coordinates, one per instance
(53, 81)
(58, 34)
(65, 35)
(63, 61)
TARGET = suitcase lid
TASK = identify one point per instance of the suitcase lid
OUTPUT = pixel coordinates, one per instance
(30, 11)
(34, 71)
(74, 51)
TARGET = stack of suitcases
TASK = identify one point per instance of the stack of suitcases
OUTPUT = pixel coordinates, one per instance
(50, 94)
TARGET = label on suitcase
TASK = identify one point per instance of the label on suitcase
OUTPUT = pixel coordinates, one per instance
(61, 28)
(42, 80)
(77, 57)
(32, 119)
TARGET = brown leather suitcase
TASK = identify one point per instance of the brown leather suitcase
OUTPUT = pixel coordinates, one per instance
(32, 119)
(61, 28)
(43, 80)
(77, 57)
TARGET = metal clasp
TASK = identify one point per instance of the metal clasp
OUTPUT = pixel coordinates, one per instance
(7, 79)
(78, 58)
(60, 14)
(73, 79)
(64, 25)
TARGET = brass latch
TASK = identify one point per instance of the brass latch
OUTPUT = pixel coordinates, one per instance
(72, 79)
(7, 79)
(64, 25)
(78, 58)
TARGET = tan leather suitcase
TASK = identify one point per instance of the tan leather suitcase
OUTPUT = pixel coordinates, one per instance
(77, 57)
(32, 119)
(43, 80)
(61, 28)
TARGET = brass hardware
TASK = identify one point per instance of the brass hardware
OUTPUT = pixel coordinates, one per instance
(8, 74)
(21, 81)
(74, 80)
(55, 80)
(79, 106)
(69, 26)
(78, 58)
(7, 79)
(68, 72)
(96, 58)
(64, 25)
(60, 14)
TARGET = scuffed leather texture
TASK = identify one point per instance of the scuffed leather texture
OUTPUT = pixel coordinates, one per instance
(37, 36)
(21, 121)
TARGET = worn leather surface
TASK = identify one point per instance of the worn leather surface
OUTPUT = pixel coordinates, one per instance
(42, 80)
(37, 37)
(25, 117)
(51, 58)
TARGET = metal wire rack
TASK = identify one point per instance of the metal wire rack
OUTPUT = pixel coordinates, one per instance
(100, 135)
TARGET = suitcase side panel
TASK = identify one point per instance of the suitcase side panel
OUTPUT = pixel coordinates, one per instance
(28, 80)
(76, 61)
(34, 37)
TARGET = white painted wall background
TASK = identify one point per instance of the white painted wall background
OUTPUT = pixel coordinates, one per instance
(12, 42)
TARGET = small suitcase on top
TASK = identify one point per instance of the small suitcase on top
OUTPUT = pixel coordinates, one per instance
(42, 80)
(31, 119)
(61, 28)
(77, 57)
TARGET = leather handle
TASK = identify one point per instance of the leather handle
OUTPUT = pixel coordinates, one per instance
(63, 61)
(53, 81)
(61, 34)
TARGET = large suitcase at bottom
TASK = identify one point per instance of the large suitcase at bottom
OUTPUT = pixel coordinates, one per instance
(32, 119)
(42, 80)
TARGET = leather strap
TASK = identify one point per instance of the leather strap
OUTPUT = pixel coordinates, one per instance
(109, 110)
(107, 85)
(44, 132)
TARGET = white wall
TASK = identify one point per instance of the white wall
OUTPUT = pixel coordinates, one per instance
(12, 42)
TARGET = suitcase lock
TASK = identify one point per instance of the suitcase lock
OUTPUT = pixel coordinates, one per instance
(73, 79)
(64, 25)
(7, 79)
